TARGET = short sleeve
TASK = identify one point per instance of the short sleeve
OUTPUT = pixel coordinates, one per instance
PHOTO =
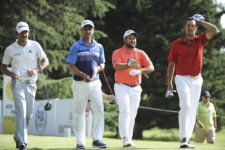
(145, 61)
(172, 54)
(72, 56)
(7, 57)
(102, 54)
(116, 57)
(40, 52)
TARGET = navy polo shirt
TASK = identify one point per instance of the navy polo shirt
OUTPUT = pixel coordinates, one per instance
(85, 57)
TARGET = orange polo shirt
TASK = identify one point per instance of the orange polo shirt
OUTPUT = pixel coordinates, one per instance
(122, 55)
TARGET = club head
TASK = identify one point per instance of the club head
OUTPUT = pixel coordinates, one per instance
(48, 106)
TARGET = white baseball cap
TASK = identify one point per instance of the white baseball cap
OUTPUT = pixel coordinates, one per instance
(22, 26)
(129, 32)
(87, 22)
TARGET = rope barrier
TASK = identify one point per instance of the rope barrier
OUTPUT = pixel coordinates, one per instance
(166, 110)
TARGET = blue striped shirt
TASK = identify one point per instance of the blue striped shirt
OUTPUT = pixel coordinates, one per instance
(85, 57)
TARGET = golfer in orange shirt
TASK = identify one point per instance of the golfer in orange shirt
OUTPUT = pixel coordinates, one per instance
(129, 63)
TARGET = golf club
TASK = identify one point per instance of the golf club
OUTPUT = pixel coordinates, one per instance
(48, 105)
(113, 99)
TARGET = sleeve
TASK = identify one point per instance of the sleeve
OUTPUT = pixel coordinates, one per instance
(116, 57)
(145, 60)
(72, 56)
(40, 52)
(172, 54)
(7, 57)
(102, 54)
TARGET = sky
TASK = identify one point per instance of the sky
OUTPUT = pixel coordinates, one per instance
(223, 17)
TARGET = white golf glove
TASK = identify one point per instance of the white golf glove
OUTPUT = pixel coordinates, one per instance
(198, 17)
(134, 72)
(131, 62)
(95, 71)
(169, 94)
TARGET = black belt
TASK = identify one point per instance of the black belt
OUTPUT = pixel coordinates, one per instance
(128, 84)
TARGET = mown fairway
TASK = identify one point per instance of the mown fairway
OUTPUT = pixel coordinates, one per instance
(50, 142)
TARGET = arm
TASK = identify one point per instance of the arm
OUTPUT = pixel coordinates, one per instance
(101, 67)
(199, 123)
(106, 96)
(215, 122)
(44, 63)
(170, 74)
(7, 72)
(41, 66)
(123, 66)
(211, 29)
(148, 69)
(77, 71)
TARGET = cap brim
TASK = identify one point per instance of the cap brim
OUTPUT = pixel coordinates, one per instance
(23, 29)
(87, 25)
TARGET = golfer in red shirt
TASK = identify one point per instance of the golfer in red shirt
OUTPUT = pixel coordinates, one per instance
(185, 56)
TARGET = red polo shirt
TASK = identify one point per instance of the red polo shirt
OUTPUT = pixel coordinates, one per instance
(122, 55)
(188, 57)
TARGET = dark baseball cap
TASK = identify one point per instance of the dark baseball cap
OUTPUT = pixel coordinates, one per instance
(206, 94)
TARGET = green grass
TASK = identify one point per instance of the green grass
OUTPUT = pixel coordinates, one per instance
(152, 143)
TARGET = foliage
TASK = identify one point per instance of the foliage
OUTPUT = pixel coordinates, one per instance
(111, 117)
(55, 88)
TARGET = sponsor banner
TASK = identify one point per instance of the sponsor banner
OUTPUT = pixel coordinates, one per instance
(56, 122)
(53, 122)
(8, 107)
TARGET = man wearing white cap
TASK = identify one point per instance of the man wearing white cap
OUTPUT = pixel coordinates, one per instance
(130, 63)
(26, 58)
(85, 60)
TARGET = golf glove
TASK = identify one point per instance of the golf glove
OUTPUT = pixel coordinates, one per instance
(134, 72)
(198, 17)
(95, 71)
(131, 62)
(169, 94)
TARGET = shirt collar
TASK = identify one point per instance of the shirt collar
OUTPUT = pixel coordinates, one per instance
(182, 40)
(93, 42)
(128, 50)
(28, 43)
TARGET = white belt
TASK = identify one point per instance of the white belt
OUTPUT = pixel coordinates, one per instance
(193, 77)
(27, 81)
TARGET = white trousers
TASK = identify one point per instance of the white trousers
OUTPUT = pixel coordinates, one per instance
(189, 91)
(128, 102)
(24, 99)
(82, 92)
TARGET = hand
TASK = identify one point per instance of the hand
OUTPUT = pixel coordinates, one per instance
(94, 72)
(198, 17)
(201, 125)
(86, 78)
(131, 62)
(112, 99)
(134, 72)
(32, 72)
(169, 94)
(15, 75)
